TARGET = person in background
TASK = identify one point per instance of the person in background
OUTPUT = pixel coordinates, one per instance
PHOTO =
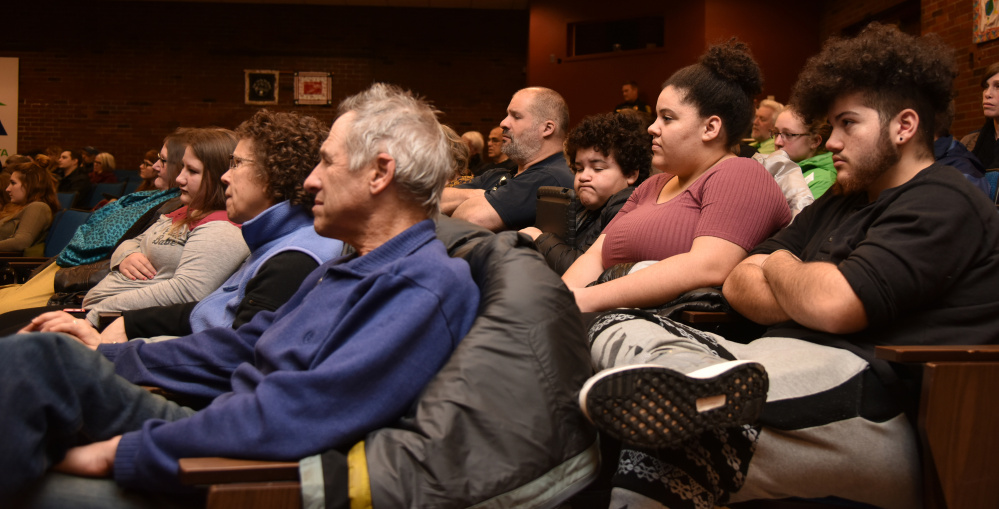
(984, 141)
(103, 171)
(475, 145)
(73, 177)
(763, 126)
(496, 157)
(147, 172)
(25, 220)
(629, 92)
(806, 145)
(950, 152)
(609, 155)
(88, 154)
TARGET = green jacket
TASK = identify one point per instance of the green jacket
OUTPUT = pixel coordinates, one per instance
(819, 173)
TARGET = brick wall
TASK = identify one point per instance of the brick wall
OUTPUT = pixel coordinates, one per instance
(127, 73)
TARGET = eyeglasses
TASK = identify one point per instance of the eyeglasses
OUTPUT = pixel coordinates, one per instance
(146, 163)
(236, 161)
(788, 137)
(161, 159)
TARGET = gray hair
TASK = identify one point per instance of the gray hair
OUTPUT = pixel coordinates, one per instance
(774, 105)
(394, 121)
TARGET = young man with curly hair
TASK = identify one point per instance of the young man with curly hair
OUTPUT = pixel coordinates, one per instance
(902, 251)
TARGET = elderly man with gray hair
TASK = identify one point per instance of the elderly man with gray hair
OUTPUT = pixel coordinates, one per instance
(763, 124)
(347, 354)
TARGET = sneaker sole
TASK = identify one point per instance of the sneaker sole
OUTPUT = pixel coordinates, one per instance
(654, 407)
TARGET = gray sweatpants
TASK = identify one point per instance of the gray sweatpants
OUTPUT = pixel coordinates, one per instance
(815, 439)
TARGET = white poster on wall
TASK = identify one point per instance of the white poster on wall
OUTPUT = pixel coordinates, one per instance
(8, 107)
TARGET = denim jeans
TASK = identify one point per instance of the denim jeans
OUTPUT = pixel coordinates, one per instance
(56, 394)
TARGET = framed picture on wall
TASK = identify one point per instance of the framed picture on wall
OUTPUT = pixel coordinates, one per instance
(985, 21)
(261, 86)
(313, 88)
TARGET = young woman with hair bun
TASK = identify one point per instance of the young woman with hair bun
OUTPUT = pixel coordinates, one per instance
(700, 216)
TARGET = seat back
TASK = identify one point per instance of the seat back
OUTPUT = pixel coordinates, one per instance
(66, 200)
(992, 177)
(64, 226)
(499, 426)
(98, 192)
(556, 213)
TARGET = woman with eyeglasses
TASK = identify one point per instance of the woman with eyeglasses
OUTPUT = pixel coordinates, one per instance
(103, 172)
(146, 171)
(187, 253)
(806, 145)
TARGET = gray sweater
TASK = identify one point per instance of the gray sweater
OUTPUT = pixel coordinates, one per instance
(190, 264)
(25, 228)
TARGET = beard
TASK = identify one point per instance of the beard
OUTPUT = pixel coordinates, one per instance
(869, 167)
(523, 148)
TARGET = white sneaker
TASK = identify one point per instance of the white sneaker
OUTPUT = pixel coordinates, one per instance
(651, 406)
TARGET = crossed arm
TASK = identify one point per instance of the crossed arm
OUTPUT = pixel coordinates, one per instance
(471, 205)
(778, 287)
(706, 264)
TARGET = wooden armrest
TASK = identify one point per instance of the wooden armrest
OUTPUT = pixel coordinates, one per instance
(6, 257)
(195, 471)
(104, 318)
(938, 353)
(693, 317)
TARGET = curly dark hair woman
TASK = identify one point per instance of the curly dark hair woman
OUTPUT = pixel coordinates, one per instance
(285, 148)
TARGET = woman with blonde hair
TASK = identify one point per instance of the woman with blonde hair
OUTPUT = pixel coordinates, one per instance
(25, 220)
(103, 172)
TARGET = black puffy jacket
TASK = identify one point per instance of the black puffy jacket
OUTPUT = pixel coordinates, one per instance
(499, 426)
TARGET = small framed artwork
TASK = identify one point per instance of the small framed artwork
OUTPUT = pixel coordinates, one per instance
(985, 21)
(261, 86)
(313, 88)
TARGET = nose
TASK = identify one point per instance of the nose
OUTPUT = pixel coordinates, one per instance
(779, 142)
(312, 183)
(226, 179)
(834, 144)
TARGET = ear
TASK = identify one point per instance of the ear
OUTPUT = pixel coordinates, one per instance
(382, 173)
(547, 128)
(712, 128)
(814, 141)
(904, 127)
(632, 178)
